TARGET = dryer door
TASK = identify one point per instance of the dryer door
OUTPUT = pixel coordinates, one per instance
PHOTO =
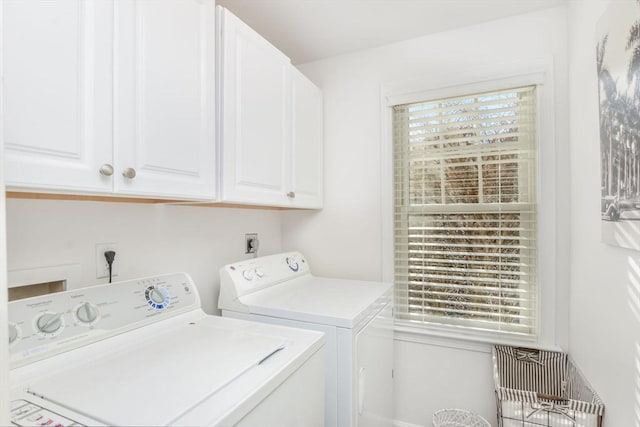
(374, 371)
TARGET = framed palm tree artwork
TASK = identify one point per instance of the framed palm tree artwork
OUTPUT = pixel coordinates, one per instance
(618, 67)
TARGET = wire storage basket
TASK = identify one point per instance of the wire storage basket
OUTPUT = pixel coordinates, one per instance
(542, 388)
(458, 418)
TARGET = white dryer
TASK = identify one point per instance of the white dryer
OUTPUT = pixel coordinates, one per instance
(356, 317)
(142, 352)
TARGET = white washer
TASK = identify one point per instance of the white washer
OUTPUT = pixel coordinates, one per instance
(356, 317)
(142, 352)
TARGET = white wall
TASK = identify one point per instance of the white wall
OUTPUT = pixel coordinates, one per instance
(605, 280)
(345, 239)
(152, 239)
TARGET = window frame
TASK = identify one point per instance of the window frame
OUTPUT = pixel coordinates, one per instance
(420, 90)
(473, 156)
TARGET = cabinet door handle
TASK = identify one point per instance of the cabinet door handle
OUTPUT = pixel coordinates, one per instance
(291, 194)
(129, 173)
(106, 169)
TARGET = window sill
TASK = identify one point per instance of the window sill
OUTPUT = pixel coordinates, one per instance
(460, 339)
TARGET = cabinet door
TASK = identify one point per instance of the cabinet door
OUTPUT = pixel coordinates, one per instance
(306, 142)
(255, 115)
(57, 94)
(165, 98)
(373, 399)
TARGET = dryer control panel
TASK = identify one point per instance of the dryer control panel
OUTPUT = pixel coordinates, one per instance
(245, 277)
(49, 324)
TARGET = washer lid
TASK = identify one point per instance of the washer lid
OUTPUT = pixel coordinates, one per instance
(334, 302)
(155, 381)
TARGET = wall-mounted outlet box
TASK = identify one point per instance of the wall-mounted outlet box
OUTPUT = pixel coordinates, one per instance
(251, 243)
(102, 268)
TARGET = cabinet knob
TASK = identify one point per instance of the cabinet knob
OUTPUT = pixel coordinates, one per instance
(291, 194)
(106, 169)
(129, 173)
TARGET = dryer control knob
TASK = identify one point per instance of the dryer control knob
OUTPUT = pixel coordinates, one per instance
(293, 264)
(13, 333)
(247, 274)
(87, 313)
(259, 272)
(49, 323)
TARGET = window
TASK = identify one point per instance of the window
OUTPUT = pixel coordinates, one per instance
(465, 211)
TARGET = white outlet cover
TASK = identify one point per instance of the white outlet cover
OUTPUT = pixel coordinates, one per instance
(102, 268)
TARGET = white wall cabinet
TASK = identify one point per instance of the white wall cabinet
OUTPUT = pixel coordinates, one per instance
(58, 86)
(165, 98)
(111, 97)
(306, 142)
(262, 161)
(254, 108)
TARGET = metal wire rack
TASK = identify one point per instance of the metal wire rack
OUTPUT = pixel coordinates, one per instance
(458, 418)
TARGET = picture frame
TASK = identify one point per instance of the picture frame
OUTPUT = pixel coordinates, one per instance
(618, 69)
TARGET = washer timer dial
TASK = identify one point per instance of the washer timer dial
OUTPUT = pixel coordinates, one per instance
(157, 297)
(49, 324)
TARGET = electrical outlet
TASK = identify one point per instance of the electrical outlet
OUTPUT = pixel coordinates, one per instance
(251, 243)
(102, 268)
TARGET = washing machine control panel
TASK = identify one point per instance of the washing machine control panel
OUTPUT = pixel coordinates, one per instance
(49, 324)
(27, 414)
(244, 277)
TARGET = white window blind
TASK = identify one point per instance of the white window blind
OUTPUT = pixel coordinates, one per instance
(465, 211)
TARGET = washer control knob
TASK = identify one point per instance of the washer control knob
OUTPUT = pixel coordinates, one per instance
(259, 272)
(49, 323)
(293, 264)
(13, 333)
(247, 274)
(87, 313)
(156, 296)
